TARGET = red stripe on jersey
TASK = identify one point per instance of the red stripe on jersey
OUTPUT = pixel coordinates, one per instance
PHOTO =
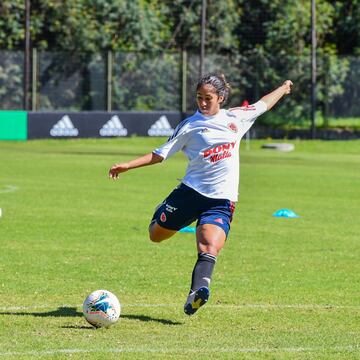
(245, 106)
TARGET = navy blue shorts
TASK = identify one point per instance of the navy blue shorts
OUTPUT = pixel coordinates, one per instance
(185, 205)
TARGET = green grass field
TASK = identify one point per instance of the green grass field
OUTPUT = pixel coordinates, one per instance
(282, 288)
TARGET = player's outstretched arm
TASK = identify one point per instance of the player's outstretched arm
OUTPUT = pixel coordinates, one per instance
(148, 159)
(272, 98)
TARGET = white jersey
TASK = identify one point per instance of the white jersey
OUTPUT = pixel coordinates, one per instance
(211, 144)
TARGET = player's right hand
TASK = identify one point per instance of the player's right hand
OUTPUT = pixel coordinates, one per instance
(116, 169)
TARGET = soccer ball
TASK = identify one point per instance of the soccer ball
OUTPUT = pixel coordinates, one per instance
(101, 308)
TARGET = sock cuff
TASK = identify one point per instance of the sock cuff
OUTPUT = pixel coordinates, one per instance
(207, 257)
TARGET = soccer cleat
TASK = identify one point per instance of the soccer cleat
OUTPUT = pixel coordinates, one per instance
(196, 299)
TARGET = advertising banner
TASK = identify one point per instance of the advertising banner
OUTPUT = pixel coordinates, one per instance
(100, 124)
(13, 125)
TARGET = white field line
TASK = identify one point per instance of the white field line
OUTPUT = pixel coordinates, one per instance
(348, 348)
(230, 306)
(8, 188)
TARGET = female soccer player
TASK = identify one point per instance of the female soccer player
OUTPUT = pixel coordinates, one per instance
(210, 139)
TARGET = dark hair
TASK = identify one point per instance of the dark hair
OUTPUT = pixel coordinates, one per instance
(218, 81)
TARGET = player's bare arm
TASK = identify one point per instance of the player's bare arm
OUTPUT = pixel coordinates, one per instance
(272, 98)
(148, 159)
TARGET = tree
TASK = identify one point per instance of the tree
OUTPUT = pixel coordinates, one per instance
(11, 24)
(346, 34)
(256, 43)
(282, 50)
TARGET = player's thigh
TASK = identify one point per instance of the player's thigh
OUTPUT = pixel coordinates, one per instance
(214, 225)
(178, 210)
(210, 239)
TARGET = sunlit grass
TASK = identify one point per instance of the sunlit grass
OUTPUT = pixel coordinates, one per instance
(282, 288)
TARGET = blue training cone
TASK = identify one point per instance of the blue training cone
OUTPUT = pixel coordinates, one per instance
(285, 213)
(188, 229)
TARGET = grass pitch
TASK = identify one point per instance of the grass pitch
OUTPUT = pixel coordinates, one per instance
(282, 288)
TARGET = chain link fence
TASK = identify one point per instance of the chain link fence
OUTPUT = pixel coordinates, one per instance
(140, 81)
(11, 80)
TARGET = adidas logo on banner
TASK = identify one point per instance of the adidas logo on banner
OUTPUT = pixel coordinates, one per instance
(64, 127)
(113, 127)
(161, 127)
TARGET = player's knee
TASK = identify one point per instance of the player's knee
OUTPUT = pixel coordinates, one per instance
(153, 234)
(154, 237)
(213, 250)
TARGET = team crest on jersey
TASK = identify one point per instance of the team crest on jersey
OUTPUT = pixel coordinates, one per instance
(163, 217)
(232, 127)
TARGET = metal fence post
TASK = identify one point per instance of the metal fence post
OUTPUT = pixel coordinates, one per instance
(313, 69)
(183, 81)
(34, 80)
(327, 83)
(109, 78)
(202, 39)
(27, 55)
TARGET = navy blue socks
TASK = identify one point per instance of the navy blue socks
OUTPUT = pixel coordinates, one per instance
(202, 272)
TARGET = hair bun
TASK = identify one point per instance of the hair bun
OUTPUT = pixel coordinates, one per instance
(223, 78)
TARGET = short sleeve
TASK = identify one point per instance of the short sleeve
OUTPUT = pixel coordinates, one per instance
(175, 142)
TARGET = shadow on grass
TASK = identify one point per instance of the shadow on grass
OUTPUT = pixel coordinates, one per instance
(146, 318)
(65, 311)
(62, 311)
(78, 327)
(131, 317)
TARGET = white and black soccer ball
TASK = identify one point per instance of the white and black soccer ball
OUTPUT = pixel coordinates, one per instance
(101, 308)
